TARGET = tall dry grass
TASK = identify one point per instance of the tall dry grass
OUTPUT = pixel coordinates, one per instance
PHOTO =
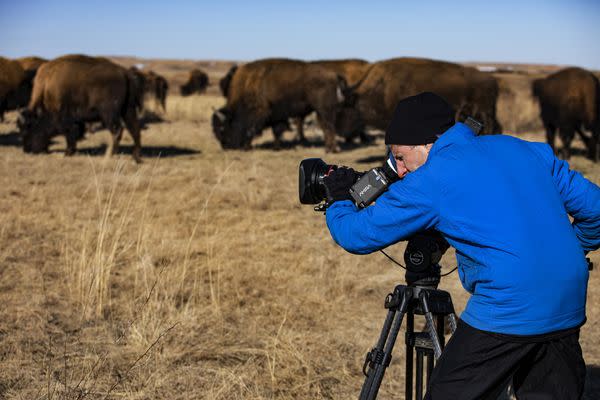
(196, 275)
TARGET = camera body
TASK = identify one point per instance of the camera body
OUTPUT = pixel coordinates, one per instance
(369, 185)
(373, 183)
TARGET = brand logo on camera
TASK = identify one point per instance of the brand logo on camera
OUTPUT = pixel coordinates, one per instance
(366, 188)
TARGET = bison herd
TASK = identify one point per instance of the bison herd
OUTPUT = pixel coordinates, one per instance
(64, 95)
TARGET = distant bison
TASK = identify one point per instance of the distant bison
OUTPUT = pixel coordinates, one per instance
(268, 92)
(469, 91)
(197, 83)
(72, 90)
(31, 63)
(157, 86)
(15, 85)
(570, 102)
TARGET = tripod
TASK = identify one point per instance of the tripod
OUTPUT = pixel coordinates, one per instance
(421, 298)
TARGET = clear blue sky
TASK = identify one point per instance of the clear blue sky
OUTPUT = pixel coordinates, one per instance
(551, 31)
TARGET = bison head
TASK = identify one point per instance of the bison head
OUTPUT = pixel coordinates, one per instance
(197, 83)
(231, 130)
(34, 131)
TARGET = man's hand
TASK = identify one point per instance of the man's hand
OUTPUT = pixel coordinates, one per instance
(338, 183)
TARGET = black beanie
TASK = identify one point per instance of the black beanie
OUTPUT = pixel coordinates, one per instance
(419, 120)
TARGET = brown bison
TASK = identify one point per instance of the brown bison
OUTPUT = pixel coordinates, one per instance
(15, 85)
(269, 92)
(352, 70)
(278, 127)
(72, 90)
(469, 91)
(31, 63)
(570, 102)
(226, 81)
(158, 86)
(197, 83)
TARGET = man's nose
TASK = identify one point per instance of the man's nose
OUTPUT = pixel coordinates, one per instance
(402, 170)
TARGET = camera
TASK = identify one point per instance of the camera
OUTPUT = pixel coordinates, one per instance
(368, 186)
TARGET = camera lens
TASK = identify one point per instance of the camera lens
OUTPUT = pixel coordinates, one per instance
(311, 173)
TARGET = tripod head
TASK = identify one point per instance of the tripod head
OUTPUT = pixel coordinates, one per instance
(422, 256)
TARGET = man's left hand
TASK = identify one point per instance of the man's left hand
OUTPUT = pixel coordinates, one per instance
(338, 184)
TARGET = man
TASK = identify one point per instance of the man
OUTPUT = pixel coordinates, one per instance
(504, 205)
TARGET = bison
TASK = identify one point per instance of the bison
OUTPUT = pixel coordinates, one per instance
(268, 92)
(351, 70)
(469, 91)
(226, 81)
(570, 102)
(72, 90)
(278, 127)
(158, 86)
(15, 85)
(197, 83)
(31, 63)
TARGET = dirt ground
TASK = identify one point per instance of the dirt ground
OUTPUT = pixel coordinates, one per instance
(196, 275)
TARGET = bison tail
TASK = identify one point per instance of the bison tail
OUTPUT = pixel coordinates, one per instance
(135, 93)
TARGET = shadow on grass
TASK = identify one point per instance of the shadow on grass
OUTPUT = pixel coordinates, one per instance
(147, 151)
(11, 139)
(313, 143)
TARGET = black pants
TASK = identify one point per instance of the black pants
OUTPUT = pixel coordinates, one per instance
(479, 365)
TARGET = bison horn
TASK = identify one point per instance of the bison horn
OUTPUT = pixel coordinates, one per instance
(21, 117)
(220, 115)
(339, 94)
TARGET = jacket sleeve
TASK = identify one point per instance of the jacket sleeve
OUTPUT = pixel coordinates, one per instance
(581, 199)
(405, 209)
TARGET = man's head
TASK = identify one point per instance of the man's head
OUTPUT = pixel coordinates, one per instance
(416, 124)
(409, 158)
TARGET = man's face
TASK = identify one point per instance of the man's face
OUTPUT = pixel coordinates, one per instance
(409, 158)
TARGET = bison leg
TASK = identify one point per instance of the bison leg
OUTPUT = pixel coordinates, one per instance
(299, 121)
(74, 133)
(326, 122)
(365, 138)
(594, 144)
(550, 136)
(116, 133)
(567, 133)
(278, 130)
(133, 126)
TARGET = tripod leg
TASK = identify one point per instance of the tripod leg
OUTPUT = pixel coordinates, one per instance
(379, 358)
(375, 353)
(419, 377)
(437, 346)
(408, 370)
(452, 318)
(429, 367)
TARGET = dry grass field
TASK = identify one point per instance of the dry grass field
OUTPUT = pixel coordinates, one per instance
(197, 275)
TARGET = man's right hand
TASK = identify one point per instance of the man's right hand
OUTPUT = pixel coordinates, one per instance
(338, 184)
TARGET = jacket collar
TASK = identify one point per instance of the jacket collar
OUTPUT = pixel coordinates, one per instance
(458, 133)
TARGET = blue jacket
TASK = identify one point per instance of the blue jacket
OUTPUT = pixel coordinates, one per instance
(503, 204)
